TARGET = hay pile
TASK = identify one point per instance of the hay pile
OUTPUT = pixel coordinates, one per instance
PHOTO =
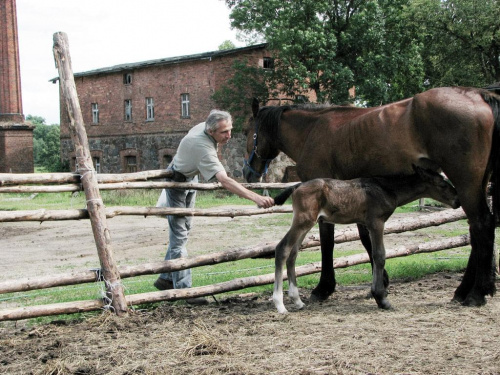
(423, 334)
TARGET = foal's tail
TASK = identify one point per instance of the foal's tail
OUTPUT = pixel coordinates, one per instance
(494, 102)
(280, 199)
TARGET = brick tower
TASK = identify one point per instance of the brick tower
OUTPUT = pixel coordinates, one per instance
(16, 136)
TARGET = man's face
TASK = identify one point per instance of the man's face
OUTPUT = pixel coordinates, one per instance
(222, 134)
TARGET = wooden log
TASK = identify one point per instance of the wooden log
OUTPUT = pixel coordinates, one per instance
(110, 212)
(345, 235)
(41, 215)
(135, 185)
(95, 205)
(64, 178)
(232, 285)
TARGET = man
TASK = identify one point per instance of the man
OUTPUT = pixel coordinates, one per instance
(197, 153)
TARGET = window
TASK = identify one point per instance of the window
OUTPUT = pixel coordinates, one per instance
(95, 113)
(185, 110)
(300, 99)
(167, 159)
(150, 109)
(127, 78)
(268, 63)
(97, 164)
(128, 110)
(130, 164)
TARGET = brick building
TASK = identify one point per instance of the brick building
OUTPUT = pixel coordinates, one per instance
(16, 136)
(136, 114)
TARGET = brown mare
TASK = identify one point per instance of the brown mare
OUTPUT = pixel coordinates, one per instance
(368, 201)
(450, 129)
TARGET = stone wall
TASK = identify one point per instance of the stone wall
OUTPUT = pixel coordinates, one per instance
(150, 151)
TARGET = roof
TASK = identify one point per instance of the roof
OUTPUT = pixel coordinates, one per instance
(165, 61)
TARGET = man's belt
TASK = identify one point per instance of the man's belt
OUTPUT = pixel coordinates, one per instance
(175, 176)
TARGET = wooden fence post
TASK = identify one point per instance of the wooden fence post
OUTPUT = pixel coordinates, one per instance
(95, 206)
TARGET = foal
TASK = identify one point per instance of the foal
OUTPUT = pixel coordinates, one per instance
(367, 201)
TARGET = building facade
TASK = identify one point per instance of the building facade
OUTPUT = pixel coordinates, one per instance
(136, 114)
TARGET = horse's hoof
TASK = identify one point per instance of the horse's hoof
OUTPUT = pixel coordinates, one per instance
(318, 297)
(459, 296)
(474, 300)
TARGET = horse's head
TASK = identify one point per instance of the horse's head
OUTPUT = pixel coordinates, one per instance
(261, 147)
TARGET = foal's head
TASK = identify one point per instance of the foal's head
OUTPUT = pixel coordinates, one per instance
(437, 187)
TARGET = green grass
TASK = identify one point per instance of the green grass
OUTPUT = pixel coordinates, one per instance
(412, 267)
(137, 197)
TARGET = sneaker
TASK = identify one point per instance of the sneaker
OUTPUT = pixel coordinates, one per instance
(163, 284)
(197, 301)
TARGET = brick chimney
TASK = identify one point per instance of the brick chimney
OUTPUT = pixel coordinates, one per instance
(16, 136)
(11, 108)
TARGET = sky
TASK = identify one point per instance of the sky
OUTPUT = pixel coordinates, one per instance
(104, 33)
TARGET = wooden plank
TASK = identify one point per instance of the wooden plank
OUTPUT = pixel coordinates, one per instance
(85, 168)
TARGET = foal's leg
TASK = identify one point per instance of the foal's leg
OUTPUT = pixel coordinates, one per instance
(379, 291)
(293, 291)
(364, 236)
(326, 285)
(282, 253)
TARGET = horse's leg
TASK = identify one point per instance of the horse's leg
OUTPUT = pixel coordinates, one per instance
(479, 276)
(364, 236)
(379, 291)
(326, 285)
(281, 255)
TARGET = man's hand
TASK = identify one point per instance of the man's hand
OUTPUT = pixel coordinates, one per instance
(264, 202)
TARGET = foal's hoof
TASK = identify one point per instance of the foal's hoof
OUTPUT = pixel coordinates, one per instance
(385, 305)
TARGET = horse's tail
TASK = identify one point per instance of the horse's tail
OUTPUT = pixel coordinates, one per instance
(493, 101)
(280, 199)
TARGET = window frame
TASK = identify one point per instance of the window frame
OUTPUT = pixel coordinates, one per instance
(128, 110)
(95, 113)
(150, 109)
(127, 78)
(185, 106)
(128, 166)
(268, 63)
(96, 160)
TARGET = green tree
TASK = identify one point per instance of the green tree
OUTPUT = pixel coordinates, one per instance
(46, 145)
(227, 44)
(330, 46)
(462, 40)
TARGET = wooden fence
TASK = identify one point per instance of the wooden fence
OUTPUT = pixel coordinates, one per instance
(16, 183)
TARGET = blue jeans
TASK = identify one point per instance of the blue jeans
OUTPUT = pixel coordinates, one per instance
(179, 231)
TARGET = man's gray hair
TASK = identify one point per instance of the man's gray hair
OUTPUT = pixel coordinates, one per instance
(214, 117)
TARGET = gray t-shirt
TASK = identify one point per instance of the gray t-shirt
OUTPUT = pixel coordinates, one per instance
(197, 153)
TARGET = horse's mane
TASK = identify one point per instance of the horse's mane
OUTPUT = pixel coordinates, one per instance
(269, 117)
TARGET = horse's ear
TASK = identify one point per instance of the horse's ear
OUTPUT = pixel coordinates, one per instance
(255, 107)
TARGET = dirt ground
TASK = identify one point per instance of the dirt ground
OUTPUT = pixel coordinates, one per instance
(424, 333)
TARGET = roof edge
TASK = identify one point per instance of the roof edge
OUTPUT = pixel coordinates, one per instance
(164, 61)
